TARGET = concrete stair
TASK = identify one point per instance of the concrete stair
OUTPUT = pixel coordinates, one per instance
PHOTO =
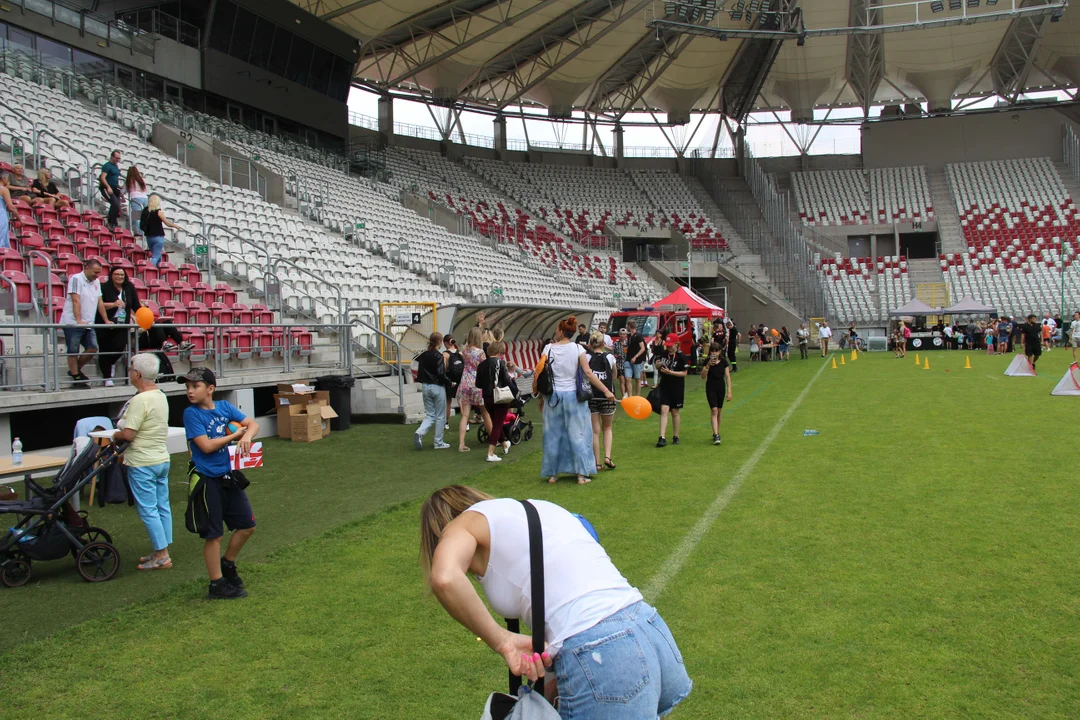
(379, 396)
(949, 233)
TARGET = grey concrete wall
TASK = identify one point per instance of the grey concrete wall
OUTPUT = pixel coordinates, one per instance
(172, 61)
(249, 85)
(205, 157)
(935, 142)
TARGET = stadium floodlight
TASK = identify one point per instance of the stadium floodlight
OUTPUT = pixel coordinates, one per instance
(937, 6)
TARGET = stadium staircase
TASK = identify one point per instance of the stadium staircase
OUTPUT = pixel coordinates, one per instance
(949, 234)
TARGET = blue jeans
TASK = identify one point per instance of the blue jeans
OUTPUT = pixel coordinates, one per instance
(626, 667)
(137, 205)
(632, 371)
(155, 245)
(150, 486)
(434, 411)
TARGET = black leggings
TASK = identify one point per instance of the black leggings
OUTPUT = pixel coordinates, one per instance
(111, 345)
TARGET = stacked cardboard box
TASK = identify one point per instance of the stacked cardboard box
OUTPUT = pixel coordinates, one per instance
(303, 413)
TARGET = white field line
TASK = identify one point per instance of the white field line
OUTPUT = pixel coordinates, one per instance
(678, 558)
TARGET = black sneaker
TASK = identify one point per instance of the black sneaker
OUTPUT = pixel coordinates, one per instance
(662, 442)
(224, 590)
(715, 439)
(228, 571)
(78, 381)
(675, 440)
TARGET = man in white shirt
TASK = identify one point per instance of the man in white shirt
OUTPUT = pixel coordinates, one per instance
(1074, 333)
(824, 334)
(608, 342)
(81, 306)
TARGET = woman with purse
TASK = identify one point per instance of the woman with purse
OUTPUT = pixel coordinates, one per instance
(602, 363)
(563, 386)
(493, 380)
(612, 654)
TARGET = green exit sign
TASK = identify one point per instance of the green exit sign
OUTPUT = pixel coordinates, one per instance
(359, 226)
(497, 291)
(191, 146)
(202, 249)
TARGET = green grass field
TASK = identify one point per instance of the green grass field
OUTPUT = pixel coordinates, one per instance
(918, 559)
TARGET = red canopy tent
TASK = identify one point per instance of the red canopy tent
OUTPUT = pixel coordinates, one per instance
(699, 307)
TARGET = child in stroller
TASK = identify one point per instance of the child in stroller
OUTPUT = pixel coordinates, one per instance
(516, 427)
(49, 527)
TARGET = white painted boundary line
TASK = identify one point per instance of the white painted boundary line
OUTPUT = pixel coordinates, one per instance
(678, 558)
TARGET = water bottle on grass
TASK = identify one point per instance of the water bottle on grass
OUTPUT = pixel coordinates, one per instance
(16, 453)
(811, 432)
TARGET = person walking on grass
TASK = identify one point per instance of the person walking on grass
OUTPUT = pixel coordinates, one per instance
(785, 343)
(431, 374)
(802, 336)
(733, 339)
(207, 427)
(145, 425)
(1074, 333)
(468, 395)
(490, 374)
(618, 350)
(1031, 332)
(824, 333)
(567, 430)
(602, 364)
(717, 377)
(635, 358)
(612, 654)
(672, 366)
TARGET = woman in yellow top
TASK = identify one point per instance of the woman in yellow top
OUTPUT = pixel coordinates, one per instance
(146, 426)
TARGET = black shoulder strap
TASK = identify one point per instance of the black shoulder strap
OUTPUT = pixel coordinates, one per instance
(536, 571)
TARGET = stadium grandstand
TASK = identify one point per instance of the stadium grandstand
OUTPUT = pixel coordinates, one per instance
(312, 237)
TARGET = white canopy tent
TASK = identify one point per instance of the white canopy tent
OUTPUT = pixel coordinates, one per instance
(914, 308)
(969, 306)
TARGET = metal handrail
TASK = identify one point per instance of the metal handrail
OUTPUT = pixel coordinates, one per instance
(385, 336)
(244, 241)
(48, 287)
(318, 278)
(22, 116)
(39, 133)
(15, 328)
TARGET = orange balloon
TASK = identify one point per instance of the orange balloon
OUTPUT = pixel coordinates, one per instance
(775, 332)
(637, 407)
(144, 316)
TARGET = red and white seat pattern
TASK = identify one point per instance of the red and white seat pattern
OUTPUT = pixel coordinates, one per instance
(524, 353)
(863, 197)
(832, 197)
(862, 289)
(1021, 228)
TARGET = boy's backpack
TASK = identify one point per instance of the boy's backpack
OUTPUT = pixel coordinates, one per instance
(143, 220)
(197, 513)
(598, 363)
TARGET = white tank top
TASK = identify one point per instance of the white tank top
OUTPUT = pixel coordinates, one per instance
(581, 585)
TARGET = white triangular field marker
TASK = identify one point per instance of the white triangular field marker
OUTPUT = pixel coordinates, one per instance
(1020, 367)
(1069, 383)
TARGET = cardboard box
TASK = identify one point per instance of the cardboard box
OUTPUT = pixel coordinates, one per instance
(327, 414)
(307, 426)
(290, 404)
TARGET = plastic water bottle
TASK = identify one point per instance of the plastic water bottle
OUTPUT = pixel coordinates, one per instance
(16, 453)
(811, 432)
(16, 532)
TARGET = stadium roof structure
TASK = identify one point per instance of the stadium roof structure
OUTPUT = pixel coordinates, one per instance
(607, 58)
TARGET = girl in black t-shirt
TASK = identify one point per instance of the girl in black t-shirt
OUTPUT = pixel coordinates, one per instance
(671, 365)
(717, 377)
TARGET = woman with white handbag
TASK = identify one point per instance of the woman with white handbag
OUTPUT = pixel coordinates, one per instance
(613, 656)
(493, 380)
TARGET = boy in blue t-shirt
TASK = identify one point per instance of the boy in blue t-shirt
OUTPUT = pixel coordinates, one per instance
(206, 424)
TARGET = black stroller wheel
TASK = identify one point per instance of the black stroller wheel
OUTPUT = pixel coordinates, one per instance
(98, 562)
(528, 434)
(515, 436)
(95, 534)
(482, 434)
(15, 572)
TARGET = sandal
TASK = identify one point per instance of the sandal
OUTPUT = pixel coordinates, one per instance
(608, 464)
(464, 449)
(552, 480)
(583, 480)
(151, 564)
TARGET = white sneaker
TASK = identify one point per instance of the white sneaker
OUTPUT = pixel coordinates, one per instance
(468, 427)
(446, 426)
(494, 458)
(506, 447)
(108, 383)
(441, 446)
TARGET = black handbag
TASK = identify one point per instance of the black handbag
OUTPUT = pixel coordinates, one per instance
(583, 387)
(654, 400)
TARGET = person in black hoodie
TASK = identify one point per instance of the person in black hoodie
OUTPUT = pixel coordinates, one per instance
(455, 368)
(491, 373)
(431, 374)
(120, 301)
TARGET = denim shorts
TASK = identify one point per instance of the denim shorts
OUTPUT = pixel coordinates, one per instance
(633, 370)
(626, 667)
(78, 335)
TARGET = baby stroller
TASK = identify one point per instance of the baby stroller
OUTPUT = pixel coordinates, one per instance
(516, 427)
(49, 527)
